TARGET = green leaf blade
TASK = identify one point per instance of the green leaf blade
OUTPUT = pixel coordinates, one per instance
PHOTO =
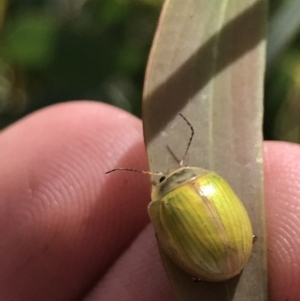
(207, 62)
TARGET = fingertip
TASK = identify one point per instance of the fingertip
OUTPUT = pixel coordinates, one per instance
(63, 221)
(282, 196)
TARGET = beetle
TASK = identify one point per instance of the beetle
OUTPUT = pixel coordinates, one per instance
(199, 221)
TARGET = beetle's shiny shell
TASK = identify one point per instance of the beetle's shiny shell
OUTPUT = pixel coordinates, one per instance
(201, 224)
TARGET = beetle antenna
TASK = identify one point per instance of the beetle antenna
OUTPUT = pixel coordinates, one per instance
(173, 155)
(136, 170)
(190, 141)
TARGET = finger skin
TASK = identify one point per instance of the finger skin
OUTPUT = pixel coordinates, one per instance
(141, 261)
(62, 220)
(137, 275)
(282, 194)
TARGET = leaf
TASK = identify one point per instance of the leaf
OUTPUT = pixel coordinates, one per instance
(207, 62)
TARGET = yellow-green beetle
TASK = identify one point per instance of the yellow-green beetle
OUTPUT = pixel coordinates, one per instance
(200, 222)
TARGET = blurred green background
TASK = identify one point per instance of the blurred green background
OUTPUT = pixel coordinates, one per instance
(59, 50)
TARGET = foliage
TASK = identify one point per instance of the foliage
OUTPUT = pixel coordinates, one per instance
(53, 51)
